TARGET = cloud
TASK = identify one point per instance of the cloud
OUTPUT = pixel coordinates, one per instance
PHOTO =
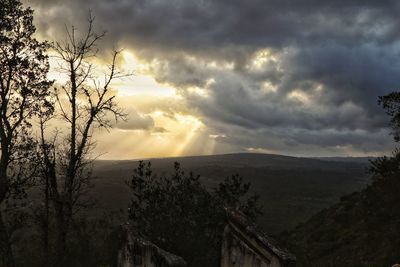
(136, 121)
(288, 76)
(191, 25)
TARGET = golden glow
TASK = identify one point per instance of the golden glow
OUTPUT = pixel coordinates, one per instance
(141, 82)
(300, 96)
(181, 132)
(203, 92)
(198, 91)
(261, 150)
(55, 72)
(130, 61)
(210, 64)
(175, 131)
(260, 58)
(186, 129)
(215, 136)
(268, 87)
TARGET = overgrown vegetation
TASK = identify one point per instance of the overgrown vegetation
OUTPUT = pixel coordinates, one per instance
(58, 161)
(23, 96)
(180, 215)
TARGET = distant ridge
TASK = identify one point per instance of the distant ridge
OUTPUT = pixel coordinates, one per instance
(248, 156)
(347, 159)
(245, 154)
(291, 188)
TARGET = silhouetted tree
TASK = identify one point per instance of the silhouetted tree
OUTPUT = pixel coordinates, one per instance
(24, 89)
(391, 104)
(180, 215)
(83, 104)
(389, 166)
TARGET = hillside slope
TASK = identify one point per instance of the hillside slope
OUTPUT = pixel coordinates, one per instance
(363, 229)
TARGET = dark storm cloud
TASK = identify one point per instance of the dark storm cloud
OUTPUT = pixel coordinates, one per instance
(206, 23)
(348, 49)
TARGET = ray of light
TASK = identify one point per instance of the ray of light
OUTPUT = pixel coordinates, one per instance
(192, 124)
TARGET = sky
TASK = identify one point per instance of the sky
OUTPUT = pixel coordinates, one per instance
(293, 77)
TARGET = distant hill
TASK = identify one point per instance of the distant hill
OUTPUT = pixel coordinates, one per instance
(348, 159)
(292, 189)
(363, 229)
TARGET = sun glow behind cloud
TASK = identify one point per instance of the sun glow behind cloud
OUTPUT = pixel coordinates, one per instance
(300, 96)
(269, 85)
(191, 125)
(141, 82)
(179, 130)
(168, 129)
(179, 133)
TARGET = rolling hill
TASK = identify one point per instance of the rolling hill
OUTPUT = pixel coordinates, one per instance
(292, 189)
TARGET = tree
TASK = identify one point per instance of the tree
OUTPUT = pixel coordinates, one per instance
(391, 104)
(386, 170)
(83, 104)
(180, 215)
(389, 166)
(24, 89)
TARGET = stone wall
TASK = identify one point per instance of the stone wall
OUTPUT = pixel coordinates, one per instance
(237, 253)
(243, 246)
(138, 252)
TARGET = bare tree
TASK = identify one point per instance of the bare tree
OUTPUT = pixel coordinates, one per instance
(46, 157)
(23, 94)
(84, 104)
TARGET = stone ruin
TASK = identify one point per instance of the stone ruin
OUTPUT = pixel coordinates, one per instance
(139, 252)
(242, 246)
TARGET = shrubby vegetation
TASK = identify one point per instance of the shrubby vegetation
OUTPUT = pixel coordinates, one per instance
(24, 92)
(179, 214)
(54, 166)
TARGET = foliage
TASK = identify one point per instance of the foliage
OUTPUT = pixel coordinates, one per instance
(179, 214)
(391, 104)
(93, 241)
(23, 95)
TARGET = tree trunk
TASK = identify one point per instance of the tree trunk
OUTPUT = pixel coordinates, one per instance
(61, 236)
(46, 260)
(6, 255)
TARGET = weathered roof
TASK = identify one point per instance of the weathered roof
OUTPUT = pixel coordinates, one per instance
(169, 258)
(239, 220)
